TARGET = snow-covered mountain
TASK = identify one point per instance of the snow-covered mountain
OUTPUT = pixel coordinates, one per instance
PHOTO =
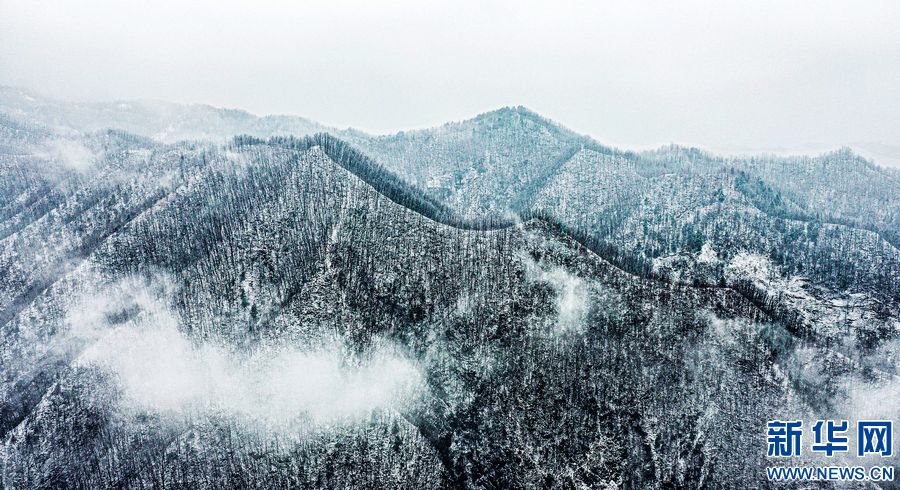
(496, 303)
(162, 121)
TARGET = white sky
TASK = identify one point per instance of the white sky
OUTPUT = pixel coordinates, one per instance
(729, 76)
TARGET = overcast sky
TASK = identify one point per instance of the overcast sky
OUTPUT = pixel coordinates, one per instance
(728, 76)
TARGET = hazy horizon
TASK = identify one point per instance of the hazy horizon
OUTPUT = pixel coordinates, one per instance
(883, 155)
(737, 78)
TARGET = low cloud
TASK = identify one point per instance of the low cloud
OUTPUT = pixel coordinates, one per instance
(133, 334)
(572, 295)
(68, 154)
(866, 398)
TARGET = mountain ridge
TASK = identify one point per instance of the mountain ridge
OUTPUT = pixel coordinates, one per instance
(338, 131)
(544, 363)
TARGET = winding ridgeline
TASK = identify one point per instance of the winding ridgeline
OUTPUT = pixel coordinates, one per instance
(192, 298)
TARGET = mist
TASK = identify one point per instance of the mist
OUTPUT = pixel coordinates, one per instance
(130, 332)
(68, 154)
(571, 295)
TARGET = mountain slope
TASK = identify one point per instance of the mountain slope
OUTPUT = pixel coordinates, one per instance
(289, 313)
(499, 161)
(540, 362)
(482, 166)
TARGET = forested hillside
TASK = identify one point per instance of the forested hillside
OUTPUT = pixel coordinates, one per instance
(499, 303)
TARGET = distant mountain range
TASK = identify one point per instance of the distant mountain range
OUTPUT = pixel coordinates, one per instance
(194, 297)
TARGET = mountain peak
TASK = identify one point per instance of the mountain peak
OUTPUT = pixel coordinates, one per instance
(514, 111)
